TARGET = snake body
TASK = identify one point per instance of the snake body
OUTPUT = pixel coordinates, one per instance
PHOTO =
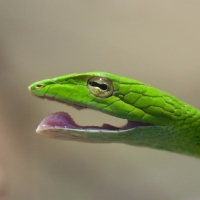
(156, 119)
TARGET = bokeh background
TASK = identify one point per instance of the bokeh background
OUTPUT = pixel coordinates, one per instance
(157, 42)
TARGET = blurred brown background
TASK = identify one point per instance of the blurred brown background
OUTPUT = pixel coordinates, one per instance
(157, 42)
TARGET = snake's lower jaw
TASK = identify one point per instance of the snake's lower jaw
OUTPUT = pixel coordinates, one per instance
(60, 125)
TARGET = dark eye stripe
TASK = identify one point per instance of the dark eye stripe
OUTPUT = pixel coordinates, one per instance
(101, 86)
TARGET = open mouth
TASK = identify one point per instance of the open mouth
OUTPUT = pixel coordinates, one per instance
(60, 125)
(63, 121)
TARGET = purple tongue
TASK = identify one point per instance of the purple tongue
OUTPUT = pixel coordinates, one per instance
(59, 119)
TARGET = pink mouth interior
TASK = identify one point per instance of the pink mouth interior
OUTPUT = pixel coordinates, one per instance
(64, 120)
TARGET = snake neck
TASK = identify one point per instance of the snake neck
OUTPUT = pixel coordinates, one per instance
(182, 137)
(175, 139)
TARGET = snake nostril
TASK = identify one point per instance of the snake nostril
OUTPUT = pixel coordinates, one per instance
(38, 86)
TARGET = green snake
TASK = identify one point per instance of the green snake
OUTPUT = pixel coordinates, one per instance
(155, 118)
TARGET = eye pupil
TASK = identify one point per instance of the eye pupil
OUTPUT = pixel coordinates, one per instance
(101, 86)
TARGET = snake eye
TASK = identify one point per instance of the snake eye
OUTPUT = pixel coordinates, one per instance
(100, 87)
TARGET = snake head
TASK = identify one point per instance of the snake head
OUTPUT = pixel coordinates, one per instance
(149, 111)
